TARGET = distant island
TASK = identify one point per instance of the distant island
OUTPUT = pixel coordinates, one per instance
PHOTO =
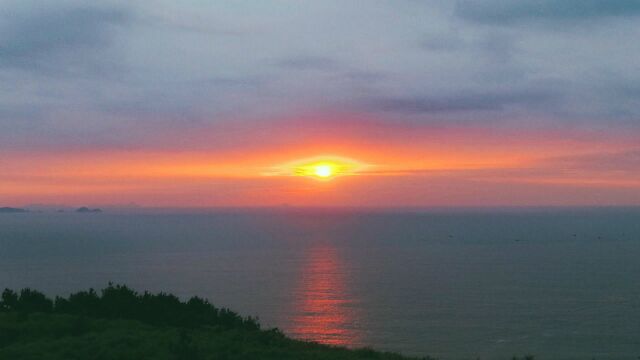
(87, 210)
(119, 323)
(12, 210)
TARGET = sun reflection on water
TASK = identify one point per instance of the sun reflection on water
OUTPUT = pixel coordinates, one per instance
(323, 309)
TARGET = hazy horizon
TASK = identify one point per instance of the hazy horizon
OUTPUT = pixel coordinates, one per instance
(134, 207)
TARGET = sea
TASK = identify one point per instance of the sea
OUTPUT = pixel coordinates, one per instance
(557, 283)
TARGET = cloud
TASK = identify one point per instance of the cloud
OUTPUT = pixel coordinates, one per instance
(119, 73)
(486, 101)
(625, 161)
(18, 112)
(179, 101)
(308, 63)
(36, 40)
(503, 12)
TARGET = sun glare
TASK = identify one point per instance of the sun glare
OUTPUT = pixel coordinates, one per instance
(321, 168)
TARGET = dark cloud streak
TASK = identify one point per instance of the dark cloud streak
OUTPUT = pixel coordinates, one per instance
(488, 101)
(38, 40)
(502, 12)
(308, 63)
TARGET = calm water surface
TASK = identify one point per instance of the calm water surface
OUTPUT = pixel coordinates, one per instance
(561, 284)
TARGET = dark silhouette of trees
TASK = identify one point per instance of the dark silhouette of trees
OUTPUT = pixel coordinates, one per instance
(118, 323)
(184, 349)
(9, 300)
(27, 301)
(121, 302)
(81, 303)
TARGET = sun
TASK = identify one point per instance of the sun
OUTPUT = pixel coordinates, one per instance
(323, 170)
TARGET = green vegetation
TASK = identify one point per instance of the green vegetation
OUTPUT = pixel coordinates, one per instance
(121, 324)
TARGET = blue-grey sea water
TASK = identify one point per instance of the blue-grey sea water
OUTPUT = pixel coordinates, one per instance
(557, 283)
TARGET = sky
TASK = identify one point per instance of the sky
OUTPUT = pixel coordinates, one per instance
(215, 103)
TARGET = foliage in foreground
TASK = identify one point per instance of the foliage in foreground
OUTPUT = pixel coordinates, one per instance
(120, 302)
(122, 324)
